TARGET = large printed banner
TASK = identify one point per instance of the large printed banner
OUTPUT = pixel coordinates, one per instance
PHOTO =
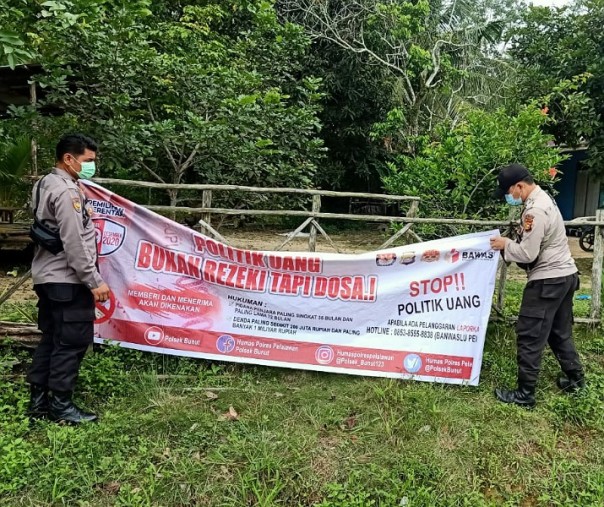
(418, 311)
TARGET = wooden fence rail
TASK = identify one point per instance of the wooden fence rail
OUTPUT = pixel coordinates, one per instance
(256, 190)
(311, 216)
(29, 335)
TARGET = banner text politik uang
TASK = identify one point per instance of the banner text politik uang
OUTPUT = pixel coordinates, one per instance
(418, 311)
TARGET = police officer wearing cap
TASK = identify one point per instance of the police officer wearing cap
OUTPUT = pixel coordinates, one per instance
(546, 313)
(66, 280)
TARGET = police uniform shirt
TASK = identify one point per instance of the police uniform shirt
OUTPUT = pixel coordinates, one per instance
(542, 236)
(63, 206)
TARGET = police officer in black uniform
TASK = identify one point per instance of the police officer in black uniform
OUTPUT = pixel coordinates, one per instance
(66, 280)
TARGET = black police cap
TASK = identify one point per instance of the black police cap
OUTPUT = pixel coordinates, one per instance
(508, 176)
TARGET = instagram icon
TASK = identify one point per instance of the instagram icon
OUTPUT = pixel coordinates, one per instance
(324, 354)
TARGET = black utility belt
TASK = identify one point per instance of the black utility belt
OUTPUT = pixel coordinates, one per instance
(44, 236)
(527, 266)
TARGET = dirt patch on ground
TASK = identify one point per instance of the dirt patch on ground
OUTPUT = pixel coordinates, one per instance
(577, 252)
(346, 242)
(23, 293)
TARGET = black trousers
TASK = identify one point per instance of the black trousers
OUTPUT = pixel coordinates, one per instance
(66, 319)
(546, 317)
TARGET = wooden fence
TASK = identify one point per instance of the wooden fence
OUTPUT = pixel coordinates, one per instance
(314, 215)
(311, 217)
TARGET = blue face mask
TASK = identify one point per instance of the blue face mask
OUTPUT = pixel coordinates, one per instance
(512, 201)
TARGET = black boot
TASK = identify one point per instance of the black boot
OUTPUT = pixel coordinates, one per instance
(573, 381)
(62, 409)
(524, 396)
(38, 402)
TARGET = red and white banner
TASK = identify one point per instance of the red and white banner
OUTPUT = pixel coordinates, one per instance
(419, 311)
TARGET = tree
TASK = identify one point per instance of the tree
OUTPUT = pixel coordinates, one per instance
(432, 48)
(356, 96)
(197, 91)
(561, 56)
(454, 173)
(426, 61)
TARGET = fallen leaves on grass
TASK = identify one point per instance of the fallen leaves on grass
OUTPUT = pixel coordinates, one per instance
(231, 415)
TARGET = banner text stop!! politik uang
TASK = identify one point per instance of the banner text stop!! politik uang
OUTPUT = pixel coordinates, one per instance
(418, 311)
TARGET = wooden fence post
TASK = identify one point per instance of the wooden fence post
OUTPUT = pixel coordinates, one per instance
(33, 99)
(406, 229)
(503, 273)
(596, 270)
(312, 239)
(206, 202)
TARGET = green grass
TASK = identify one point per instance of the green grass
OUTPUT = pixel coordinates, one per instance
(24, 311)
(304, 438)
(513, 298)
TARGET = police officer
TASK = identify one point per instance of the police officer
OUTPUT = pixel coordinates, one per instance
(546, 313)
(67, 283)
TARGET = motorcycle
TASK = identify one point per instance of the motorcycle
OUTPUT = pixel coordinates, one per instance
(586, 240)
(585, 232)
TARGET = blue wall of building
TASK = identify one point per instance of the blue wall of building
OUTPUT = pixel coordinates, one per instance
(567, 185)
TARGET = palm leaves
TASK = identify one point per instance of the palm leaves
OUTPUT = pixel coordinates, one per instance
(14, 163)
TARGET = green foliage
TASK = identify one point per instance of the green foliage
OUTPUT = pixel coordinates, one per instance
(14, 49)
(561, 64)
(562, 490)
(302, 438)
(411, 483)
(357, 95)
(426, 61)
(454, 172)
(16, 452)
(584, 407)
(19, 311)
(187, 92)
(106, 373)
(14, 163)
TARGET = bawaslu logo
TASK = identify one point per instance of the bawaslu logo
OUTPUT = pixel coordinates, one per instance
(453, 255)
(474, 255)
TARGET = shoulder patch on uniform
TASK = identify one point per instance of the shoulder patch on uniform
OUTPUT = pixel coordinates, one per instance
(77, 204)
(527, 222)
